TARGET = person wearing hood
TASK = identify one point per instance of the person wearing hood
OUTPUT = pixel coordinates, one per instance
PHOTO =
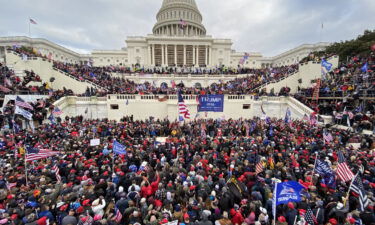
(98, 205)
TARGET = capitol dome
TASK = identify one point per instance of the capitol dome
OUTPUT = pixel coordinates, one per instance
(179, 18)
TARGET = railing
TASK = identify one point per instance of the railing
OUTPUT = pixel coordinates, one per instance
(300, 105)
(63, 72)
(77, 79)
(307, 110)
(236, 97)
(274, 81)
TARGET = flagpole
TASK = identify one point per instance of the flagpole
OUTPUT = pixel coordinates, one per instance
(29, 28)
(27, 183)
(274, 206)
(113, 162)
(321, 33)
(316, 157)
(113, 157)
(350, 186)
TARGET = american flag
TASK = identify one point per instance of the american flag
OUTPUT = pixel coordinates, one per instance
(183, 24)
(4, 89)
(11, 185)
(327, 136)
(56, 111)
(259, 166)
(357, 187)
(343, 171)
(183, 111)
(313, 120)
(36, 153)
(21, 103)
(32, 21)
(56, 170)
(309, 217)
(7, 82)
(118, 215)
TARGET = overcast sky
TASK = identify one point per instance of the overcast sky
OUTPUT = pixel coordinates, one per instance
(266, 26)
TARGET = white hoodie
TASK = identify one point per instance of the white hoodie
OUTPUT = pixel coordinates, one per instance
(98, 209)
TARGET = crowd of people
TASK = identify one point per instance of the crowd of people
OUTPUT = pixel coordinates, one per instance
(245, 85)
(203, 172)
(102, 76)
(10, 83)
(347, 91)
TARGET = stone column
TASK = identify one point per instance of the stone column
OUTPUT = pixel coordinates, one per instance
(184, 55)
(175, 55)
(210, 56)
(194, 55)
(197, 56)
(153, 55)
(205, 57)
(149, 55)
(162, 55)
(166, 55)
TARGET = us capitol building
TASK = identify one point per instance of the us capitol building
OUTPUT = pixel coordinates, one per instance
(178, 39)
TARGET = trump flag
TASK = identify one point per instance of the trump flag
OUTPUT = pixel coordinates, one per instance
(287, 192)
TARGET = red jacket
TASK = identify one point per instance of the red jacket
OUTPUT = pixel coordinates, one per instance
(237, 219)
(155, 184)
(146, 191)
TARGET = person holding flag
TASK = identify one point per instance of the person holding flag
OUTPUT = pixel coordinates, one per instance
(183, 111)
(286, 193)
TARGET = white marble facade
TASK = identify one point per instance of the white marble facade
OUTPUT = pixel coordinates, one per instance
(178, 39)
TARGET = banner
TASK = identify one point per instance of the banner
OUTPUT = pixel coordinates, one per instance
(119, 148)
(287, 192)
(211, 103)
(94, 142)
(24, 113)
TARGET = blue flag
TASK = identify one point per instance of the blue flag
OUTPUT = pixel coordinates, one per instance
(328, 176)
(364, 68)
(326, 65)
(268, 120)
(271, 130)
(52, 119)
(288, 114)
(16, 127)
(118, 148)
(287, 192)
(32, 150)
(322, 167)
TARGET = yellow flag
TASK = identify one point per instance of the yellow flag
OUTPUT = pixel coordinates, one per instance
(21, 150)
